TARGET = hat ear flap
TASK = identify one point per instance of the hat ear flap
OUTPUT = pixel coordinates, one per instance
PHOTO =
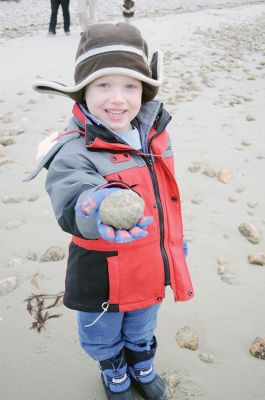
(156, 65)
(153, 65)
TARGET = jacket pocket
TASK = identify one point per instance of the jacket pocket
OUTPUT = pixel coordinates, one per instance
(114, 280)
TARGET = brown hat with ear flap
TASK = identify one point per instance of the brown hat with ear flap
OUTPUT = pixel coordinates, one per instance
(110, 49)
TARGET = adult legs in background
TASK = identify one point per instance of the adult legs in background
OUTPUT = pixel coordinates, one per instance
(66, 15)
(93, 11)
(82, 10)
(54, 11)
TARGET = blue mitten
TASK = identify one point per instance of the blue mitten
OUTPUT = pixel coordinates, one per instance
(185, 248)
(90, 208)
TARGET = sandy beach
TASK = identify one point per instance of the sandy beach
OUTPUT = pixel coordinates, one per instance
(214, 83)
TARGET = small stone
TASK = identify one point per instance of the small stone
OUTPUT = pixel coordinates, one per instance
(257, 259)
(6, 118)
(245, 143)
(250, 232)
(187, 338)
(53, 254)
(196, 200)
(195, 167)
(258, 348)
(12, 198)
(3, 162)
(222, 269)
(34, 197)
(232, 199)
(122, 209)
(172, 379)
(32, 256)
(2, 151)
(8, 285)
(224, 175)
(228, 278)
(207, 357)
(252, 204)
(250, 118)
(6, 141)
(15, 262)
(221, 260)
(209, 172)
(13, 224)
(16, 131)
(240, 189)
(37, 280)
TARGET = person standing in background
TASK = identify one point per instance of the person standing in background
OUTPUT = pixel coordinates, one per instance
(55, 4)
(128, 10)
(82, 6)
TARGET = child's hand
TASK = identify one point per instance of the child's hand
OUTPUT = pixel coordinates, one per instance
(138, 231)
(185, 247)
(89, 207)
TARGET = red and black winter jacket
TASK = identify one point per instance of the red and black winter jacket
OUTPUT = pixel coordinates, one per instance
(132, 275)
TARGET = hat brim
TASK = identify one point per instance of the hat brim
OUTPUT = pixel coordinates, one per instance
(76, 93)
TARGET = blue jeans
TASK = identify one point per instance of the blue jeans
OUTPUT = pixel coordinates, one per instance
(113, 331)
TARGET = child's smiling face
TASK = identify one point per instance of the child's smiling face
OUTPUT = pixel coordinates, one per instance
(115, 100)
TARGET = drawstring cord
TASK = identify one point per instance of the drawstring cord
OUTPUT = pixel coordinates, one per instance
(67, 132)
(105, 307)
(82, 133)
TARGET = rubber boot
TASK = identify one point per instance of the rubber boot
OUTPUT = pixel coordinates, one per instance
(115, 378)
(144, 377)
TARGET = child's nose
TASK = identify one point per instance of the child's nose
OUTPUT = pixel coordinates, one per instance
(117, 96)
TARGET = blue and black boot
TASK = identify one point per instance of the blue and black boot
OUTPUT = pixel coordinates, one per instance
(143, 375)
(115, 378)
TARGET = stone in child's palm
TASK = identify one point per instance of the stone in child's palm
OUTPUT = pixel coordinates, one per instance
(122, 209)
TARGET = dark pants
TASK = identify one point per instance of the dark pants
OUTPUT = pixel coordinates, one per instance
(55, 4)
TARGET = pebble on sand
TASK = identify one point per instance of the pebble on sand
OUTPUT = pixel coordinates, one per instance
(207, 357)
(186, 337)
(250, 232)
(8, 285)
(12, 198)
(257, 259)
(172, 379)
(53, 254)
(224, 175)
(257, 348)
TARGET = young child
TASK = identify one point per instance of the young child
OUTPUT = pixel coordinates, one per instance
(117, 140)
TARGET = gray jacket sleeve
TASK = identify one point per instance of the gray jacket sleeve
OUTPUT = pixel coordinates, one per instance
(71, 173)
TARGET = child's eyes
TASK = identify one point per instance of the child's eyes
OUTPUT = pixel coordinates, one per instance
(131, 86)
(103, 84)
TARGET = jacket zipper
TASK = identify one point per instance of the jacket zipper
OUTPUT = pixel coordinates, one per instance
(150, 166)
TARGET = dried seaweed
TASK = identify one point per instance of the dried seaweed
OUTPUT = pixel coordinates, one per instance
(36, 307)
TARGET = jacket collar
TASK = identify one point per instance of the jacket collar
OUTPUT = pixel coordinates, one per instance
(97, 135)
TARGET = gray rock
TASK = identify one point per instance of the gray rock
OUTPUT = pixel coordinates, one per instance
(14, 225)
(207, 357)
(15, 262)
(8, 285)
(258, 348)
(250, 232)
(53, 254)
(257, 259)
(122, 209)
(188, 338)
(12, 198)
